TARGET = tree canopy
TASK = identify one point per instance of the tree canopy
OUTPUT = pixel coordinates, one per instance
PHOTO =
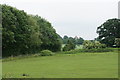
(69, 46)
(108, 31)
(24, 34)
(76, 40)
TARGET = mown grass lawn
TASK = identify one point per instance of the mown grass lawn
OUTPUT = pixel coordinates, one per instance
(81, 65)
(0, 69)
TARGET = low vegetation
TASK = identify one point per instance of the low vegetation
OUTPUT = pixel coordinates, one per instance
(88, 51)
(93, 45)
(50, 53)
(46, 53)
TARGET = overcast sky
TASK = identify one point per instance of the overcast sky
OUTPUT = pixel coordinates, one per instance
(71, 17)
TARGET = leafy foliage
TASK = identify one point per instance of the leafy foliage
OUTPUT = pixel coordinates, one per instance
(108, 31)
(16, 31)
(50, 39)
(75, 40)
(117, 42)
(69, 46)
(97, 50)
(46, 53)
(25, 34)
(95, 44)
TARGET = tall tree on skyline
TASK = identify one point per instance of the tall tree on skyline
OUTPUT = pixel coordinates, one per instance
(108, 31)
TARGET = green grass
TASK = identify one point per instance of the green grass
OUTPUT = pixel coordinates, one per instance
(81, 65)
(0, 69)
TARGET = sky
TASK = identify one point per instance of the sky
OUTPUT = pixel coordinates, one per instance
(71, 17)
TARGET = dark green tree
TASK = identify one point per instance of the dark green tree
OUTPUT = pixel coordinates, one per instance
(50, 39)
(16, 31)
(108, 31)
(25, 34)
(72, 40)
(69, 46)
(65, 39)
(79, 41)
(76, 40)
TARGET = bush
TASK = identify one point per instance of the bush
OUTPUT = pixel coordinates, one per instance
(97, 50)
(71, 52)
(88, 50)
(46, 53)
(93, 45)
(36, 55)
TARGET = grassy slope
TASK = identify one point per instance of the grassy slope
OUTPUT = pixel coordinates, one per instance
(88, 65)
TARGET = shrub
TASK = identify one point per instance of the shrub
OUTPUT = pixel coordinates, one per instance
(93, 50)
(93, 45)
(36, 55)
(96, 50)
(46, 53)
(71, 52)
(88, 44)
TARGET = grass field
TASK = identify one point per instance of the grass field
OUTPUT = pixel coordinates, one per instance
(80, 65)
(0, 69)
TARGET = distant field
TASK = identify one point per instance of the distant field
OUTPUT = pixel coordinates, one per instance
(81, 65)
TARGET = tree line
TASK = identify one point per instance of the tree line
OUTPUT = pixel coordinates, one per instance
(76, 40)
(28, 34)
(25, 34)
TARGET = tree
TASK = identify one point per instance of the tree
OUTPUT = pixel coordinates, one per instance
(65, 39)
(69, 46)
(108, 31)
(79, 41)
(25, 34)
(16, 31)
(50, 39)
(72, 40)
(75, 40)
